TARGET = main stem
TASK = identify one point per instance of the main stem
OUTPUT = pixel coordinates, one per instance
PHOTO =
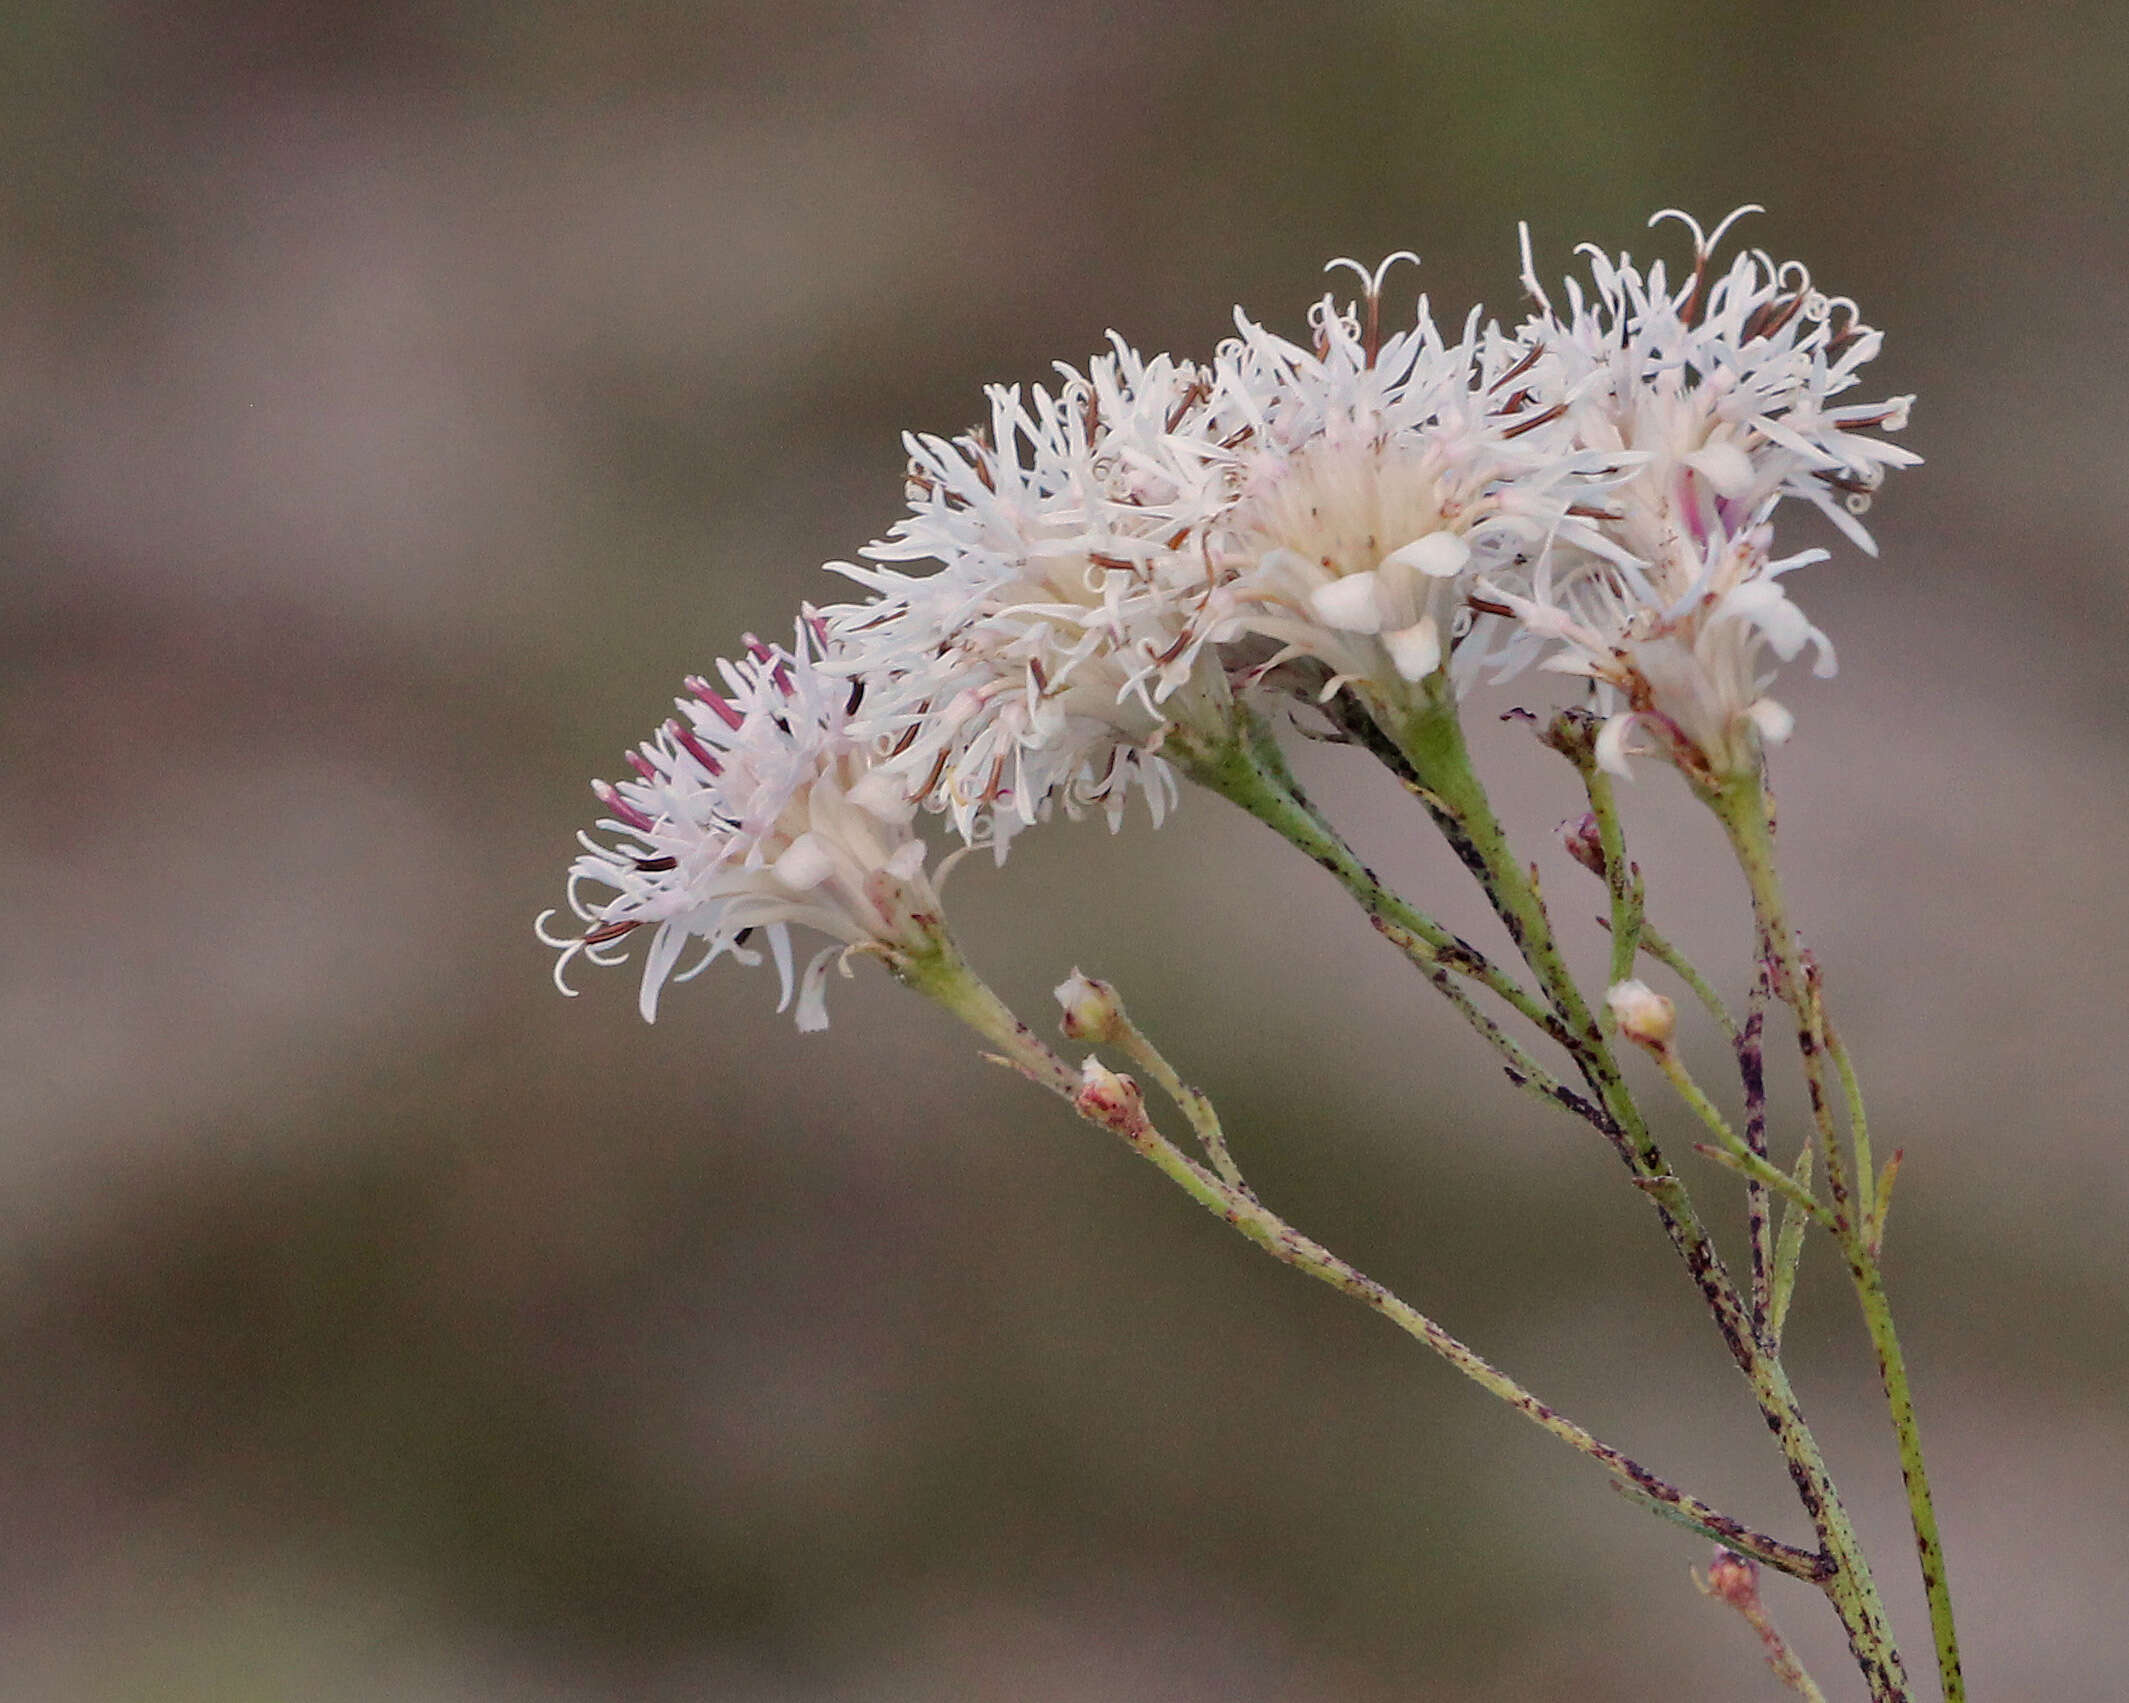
(1744, 810)
(1429, 735)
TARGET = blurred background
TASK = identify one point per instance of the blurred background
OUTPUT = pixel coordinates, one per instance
(399, 399)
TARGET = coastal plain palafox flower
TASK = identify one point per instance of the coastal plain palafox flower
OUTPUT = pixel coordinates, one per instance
(754, 810)
(1110, 562)
(1694, 671)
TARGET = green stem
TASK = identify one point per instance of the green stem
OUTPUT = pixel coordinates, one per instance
(1113, 1104)
(1914, 1473)
(1743, 808)
(1629, 928)
(1745, 1043)
(1755, 1167)
(1195, 1105)
(1429, 737)
(1749, 1044)
(1621, 880)
(1858, 1124)
(1250, 772)
(1749, 1165)
(1850, 1586)
(1788, 1251)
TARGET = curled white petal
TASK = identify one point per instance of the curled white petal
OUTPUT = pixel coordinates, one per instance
(1773, 722)
(884, 796)
(812, 1011)
(1439, 555)
(1611, 745)
(1349, 604)
(1724, 465)
(1416, 651)
(804, 864)
(1763, 603)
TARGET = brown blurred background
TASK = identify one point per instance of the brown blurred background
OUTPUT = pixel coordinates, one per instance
(397, 400)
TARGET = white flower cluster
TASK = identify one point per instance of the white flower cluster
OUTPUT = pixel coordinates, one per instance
(1115, 561)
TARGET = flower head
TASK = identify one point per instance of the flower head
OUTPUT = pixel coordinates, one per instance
(1381, 478)
(1691, 673)
(1715, 397)
(1065, 627)
(754, 809)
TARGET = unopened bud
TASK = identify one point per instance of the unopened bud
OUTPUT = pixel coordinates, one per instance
(1645, 1016)
(1092, 1012)
(1584, 844)
(1108, 1097)
(1734, 1579)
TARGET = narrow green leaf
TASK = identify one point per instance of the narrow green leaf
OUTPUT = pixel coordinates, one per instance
(1789, 1250)
(1881, 1204)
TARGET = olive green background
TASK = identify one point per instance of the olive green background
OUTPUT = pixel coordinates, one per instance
(397, 400)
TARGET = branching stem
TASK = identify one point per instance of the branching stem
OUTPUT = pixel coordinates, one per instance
(1113, 1103)
(1250, 772)
(1429, 740)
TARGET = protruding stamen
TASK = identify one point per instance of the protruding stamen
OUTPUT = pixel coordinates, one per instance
(612, 799)
(1197, 391)
(694, 747)
(709, 694)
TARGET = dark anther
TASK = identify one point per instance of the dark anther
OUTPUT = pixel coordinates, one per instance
(1520, 368)
(1535, 421)
(1195, 392)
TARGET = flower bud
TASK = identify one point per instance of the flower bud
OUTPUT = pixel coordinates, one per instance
(1584, 844)
(1645, 1017)
(1092, 1012)
(1109, 1098)
(1734, 1579)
